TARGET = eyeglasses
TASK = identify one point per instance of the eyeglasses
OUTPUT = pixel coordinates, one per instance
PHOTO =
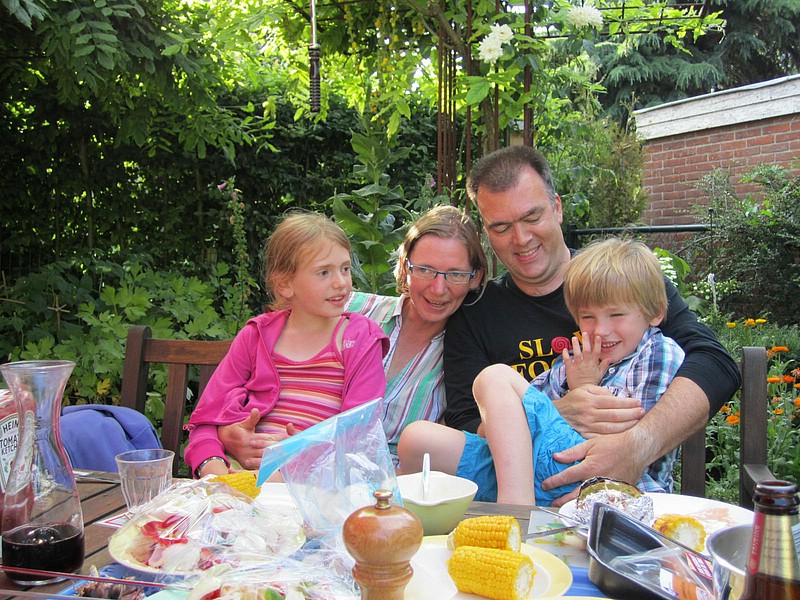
(460, 277)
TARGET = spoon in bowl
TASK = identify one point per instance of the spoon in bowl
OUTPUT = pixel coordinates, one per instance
(426, 475)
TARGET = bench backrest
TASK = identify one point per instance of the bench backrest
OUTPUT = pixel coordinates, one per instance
(180, 355)
(752, 432)
(142, 350)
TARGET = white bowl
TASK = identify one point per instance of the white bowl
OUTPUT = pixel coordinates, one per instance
(448, 499)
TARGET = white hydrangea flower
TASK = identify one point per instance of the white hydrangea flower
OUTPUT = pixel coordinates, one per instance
(584, 16)
(490, 49)
(502, 33)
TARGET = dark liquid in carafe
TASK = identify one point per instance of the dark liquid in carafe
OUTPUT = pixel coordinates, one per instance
(57, 547)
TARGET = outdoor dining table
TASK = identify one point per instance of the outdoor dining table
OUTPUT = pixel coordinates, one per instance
(101, 498)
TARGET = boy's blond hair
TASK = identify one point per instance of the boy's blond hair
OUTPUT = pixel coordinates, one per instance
(615, 271)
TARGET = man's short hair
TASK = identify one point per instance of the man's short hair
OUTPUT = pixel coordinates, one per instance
(615, 271)
(500, 170)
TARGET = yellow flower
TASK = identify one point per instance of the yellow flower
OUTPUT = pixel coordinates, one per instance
(730, 324)
(780, 349)
(760, 321)
(778, 411)
(750, 323)
(732, 419)
(773, 379)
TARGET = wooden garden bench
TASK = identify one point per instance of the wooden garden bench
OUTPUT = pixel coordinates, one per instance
(142, 350)
(180, 355)
(752, 434)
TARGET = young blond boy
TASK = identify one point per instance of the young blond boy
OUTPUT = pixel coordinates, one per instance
(614, 290)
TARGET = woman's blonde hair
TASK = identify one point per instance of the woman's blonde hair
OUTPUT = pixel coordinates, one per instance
(298, 235)
(615, 271)
(446, 222)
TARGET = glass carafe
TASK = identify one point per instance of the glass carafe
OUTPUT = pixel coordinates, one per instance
(42, 522)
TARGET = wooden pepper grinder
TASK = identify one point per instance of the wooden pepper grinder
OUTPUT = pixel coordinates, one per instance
(382, 539)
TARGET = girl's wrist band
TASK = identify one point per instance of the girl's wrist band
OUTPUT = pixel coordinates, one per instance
(205, 462)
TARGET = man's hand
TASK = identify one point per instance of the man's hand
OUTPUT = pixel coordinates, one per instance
(593, 411)
(607, 456)
(245, 445)
(585, 365)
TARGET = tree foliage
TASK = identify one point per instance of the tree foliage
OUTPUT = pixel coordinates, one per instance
(759, 41)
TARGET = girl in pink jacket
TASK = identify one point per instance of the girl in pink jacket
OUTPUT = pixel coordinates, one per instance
(303, 361)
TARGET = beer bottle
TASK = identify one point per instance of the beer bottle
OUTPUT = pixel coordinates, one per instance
(773, 570)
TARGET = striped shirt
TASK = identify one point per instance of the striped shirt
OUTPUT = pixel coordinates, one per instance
(311, 390)
(645, 374)
(416, 392)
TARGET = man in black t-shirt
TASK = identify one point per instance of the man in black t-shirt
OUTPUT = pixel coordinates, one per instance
(522, 321)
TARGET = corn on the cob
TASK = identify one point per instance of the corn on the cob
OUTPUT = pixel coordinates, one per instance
(682, 528)
(493, 531)
(244, 481)
(493, 573)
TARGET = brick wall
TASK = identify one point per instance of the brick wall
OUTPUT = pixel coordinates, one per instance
(675, 165)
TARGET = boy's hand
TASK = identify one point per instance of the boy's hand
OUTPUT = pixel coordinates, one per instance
(584, 366)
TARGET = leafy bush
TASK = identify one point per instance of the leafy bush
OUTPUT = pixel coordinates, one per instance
(782, 345)
(757, 241)
(80, 310)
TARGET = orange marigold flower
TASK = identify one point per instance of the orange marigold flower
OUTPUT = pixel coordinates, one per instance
(778, 411)
(773, 379)
(788, 379)
(797, 402)
(797, 386)
(776, 399)
(732, 420)
(780, 348)
(730, 324)
(750, 323)
(725, 409)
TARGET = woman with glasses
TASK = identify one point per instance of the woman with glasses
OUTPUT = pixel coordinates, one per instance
(439, 262)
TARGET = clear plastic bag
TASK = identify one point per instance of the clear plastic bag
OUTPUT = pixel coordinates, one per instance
(672, 571)
(334, 468)
(314, 574)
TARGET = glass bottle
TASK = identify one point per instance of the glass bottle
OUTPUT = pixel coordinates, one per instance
(42, 522)
(773, 570)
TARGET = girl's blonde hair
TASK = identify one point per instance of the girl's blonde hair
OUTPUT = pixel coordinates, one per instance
(446, 222)
(299, 234)
(615, 271)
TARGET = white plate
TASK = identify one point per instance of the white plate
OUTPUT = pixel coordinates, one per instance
(713, 514)
(431, 579)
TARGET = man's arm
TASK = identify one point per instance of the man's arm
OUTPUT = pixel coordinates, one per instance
(707, 362)
(680, 412)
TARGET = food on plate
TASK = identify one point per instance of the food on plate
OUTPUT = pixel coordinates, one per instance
(195, 525)
(619, 494)
(682, 528)
(244, 481)
(493, 531)
(491, 572)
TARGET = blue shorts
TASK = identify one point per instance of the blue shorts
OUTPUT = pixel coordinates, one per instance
(550, 433)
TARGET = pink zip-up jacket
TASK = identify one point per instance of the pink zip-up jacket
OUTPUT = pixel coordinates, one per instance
(246, 378)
